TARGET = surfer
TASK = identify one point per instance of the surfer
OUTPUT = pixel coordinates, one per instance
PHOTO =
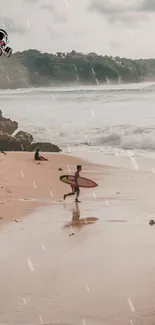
(37, 157)
(75, 188)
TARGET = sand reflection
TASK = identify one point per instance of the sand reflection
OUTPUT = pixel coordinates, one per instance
(77, 221)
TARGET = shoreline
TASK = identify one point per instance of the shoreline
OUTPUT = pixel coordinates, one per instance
(27, 184)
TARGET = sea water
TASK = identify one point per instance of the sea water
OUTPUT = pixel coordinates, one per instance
(87, 118)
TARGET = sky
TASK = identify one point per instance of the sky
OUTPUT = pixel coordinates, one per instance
(107, 27)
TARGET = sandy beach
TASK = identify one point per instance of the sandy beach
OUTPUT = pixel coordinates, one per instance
(63, 263)
(26, 184)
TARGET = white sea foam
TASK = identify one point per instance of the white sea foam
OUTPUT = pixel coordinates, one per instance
(124, 115)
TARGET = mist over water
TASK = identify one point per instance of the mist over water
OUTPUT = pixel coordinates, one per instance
(102, 116)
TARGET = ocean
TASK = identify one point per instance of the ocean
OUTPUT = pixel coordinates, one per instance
(87, 118)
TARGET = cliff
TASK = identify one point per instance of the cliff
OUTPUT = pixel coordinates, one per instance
(33, 69)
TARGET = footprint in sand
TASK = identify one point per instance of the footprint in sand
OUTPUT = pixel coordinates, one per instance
(8, 190)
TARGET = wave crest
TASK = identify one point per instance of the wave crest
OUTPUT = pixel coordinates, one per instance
(128, 138)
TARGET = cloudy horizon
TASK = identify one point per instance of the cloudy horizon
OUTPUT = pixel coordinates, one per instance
(113, 27)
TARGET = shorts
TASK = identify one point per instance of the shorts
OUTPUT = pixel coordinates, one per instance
(77, 189)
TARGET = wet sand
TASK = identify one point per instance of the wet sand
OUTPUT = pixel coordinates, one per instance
(104, 273)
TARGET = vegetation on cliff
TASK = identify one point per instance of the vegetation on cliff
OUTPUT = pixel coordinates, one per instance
(44, 69)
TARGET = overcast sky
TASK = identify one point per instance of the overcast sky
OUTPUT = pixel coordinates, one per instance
(112, 27)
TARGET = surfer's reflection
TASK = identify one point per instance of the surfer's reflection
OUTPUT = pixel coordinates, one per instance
(76, 221)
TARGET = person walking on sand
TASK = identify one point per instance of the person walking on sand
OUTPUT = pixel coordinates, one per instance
(75, 188)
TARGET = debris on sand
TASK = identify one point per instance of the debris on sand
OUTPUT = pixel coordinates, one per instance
(151, 222)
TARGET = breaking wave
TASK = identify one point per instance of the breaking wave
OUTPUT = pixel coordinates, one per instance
(80, 116)
(127, 138)
(138, 87)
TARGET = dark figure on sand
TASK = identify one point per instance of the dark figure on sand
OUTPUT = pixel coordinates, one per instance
(75, 188)
(37, 157)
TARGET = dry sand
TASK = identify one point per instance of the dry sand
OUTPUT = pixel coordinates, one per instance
(26, 184)
(101, 275)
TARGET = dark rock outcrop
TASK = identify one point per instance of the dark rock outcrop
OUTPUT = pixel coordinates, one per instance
(25, 138)
(9, 143)
(22, 141)
(43, 146)
(7, 125)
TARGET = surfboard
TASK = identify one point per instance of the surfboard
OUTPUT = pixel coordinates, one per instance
(82, 181)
